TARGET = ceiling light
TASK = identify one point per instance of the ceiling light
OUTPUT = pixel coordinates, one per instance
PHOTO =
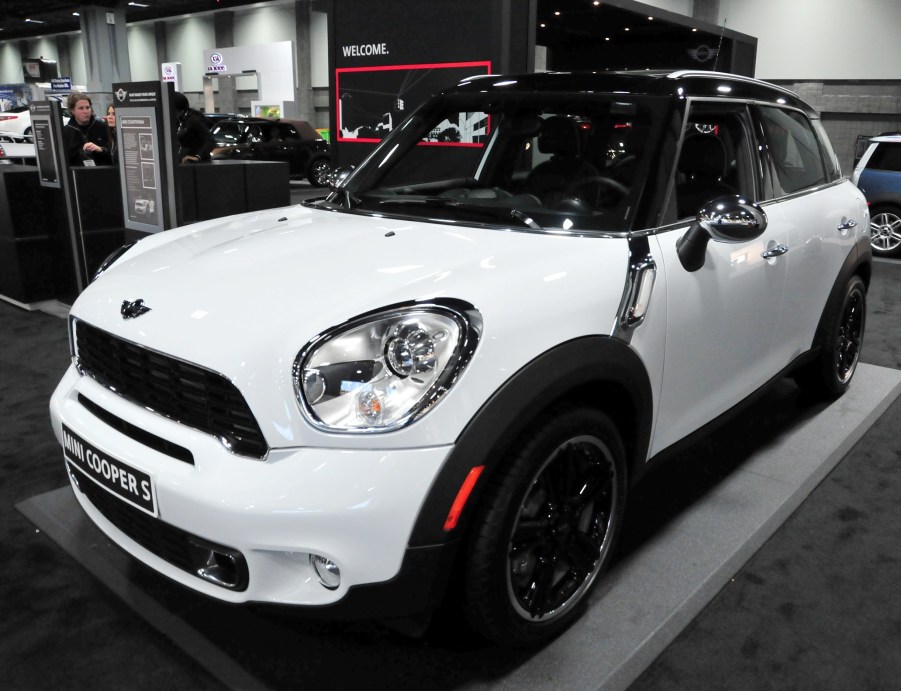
(557, 13)
(34, 21)
(138, 4)
(76, 14)
(627, 28)
(650, 19)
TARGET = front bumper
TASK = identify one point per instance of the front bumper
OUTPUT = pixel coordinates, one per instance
(355, 507)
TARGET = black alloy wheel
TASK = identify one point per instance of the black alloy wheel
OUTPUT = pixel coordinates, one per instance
(319, 172)
(850, 334)
(838, 345)
(885, 231)
(547, 528)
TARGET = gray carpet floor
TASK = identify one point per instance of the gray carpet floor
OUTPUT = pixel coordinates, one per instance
(816, 607)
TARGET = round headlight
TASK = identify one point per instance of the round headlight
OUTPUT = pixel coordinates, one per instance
(411, 350)
(382, 371)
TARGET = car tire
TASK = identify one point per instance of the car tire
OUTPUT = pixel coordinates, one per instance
(541, 538)
(885, 231)
(840, 340)
(27, 131)
(319, 171)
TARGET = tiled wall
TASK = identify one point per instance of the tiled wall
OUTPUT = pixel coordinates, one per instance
(852, 108)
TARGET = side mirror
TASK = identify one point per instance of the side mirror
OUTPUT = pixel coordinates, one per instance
(725, 219)
(338, 176)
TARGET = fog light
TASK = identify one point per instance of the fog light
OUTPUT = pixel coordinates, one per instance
(328, 572)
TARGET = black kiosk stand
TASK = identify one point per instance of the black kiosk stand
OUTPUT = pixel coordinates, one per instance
(58, 223)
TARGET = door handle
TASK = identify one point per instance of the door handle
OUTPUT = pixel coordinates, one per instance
(846, 225)
(776, 251)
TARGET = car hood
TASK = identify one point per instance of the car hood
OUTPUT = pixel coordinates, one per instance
(243, 295)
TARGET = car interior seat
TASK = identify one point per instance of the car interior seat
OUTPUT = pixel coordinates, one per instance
(549, 180)
(702, 167)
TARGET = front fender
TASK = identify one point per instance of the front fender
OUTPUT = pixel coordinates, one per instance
(597, 370)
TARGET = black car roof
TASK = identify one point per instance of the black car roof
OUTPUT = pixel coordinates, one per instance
(664, 83)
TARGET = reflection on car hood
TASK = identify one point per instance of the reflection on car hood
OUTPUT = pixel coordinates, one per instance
(284, 275)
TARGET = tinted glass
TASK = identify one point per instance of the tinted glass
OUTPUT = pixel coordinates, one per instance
(545, 161)
(285, 131)
(887, 156)
(715, 157)
(793, 148)
(227, 132)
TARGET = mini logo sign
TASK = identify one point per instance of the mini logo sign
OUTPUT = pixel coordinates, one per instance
(702, 53)
(121, 95)
(133, 310)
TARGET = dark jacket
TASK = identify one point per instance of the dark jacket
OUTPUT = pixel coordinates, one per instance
(194, 138)
(75, 137)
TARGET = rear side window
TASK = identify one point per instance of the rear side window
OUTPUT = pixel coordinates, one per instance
(285, 131)
(227, 133)
(793, 148)
(887, 156)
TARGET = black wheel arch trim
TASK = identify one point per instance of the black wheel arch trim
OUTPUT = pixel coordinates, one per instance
(599, 371)
(860, 262)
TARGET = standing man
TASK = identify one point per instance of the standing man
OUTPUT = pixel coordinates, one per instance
(87, 139)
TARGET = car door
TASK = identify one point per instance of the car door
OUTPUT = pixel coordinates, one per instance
(720, 318)
(820, 214)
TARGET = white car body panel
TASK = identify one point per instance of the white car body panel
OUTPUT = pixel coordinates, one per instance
(316, 491)
(356, 508)
(197, 283)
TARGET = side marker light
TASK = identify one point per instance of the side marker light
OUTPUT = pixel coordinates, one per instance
(462, 497)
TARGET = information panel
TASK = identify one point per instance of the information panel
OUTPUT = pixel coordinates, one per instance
(144, 154)
(141, 168)
(47, 140)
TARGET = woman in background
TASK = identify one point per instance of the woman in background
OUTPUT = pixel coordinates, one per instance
(111, 123)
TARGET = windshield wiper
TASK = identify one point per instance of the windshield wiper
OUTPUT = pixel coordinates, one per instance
(489, 209)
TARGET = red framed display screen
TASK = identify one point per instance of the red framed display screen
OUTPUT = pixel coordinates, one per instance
(371, 101)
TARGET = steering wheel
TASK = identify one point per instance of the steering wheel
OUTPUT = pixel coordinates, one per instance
(603, 184)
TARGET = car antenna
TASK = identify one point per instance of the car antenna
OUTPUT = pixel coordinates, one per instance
(720, 46)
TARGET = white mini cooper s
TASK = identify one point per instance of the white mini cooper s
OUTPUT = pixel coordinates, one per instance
(442, 379)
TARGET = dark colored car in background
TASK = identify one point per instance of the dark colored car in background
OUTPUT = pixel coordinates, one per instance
(878, 175)
(259, 139)
(213, 119)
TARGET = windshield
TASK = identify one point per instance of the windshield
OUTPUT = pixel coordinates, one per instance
(547, 161)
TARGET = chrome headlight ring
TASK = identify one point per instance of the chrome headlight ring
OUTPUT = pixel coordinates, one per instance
(385, 369)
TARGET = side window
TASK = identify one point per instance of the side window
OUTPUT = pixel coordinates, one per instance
(715, 158)
(887, 156)
(255, 134)
(227, 133)
(286, 131)
(793, 148)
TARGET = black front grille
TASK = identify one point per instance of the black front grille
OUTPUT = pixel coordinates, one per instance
(186, 393)
(169, 543)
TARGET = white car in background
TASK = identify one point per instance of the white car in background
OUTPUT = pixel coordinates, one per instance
(445, 377)
(16, 120)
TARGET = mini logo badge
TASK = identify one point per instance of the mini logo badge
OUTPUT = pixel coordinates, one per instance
(121, 94)
(132, 310)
